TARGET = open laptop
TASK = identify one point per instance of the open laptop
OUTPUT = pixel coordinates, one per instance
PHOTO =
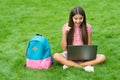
(81, 52)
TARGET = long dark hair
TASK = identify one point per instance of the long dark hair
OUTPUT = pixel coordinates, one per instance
(74, 11)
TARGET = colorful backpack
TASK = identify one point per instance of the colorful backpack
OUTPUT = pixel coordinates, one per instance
(38, 54)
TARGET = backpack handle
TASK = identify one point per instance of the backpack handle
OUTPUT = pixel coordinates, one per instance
(38, 35)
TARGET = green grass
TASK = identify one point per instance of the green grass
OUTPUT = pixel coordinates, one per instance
(22, 19)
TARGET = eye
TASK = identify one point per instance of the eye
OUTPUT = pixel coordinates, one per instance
(75, 18)
(81, 18)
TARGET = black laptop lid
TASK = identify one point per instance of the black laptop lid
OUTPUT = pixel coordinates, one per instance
(81, 52)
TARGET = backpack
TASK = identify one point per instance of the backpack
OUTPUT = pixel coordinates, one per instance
(38, 53)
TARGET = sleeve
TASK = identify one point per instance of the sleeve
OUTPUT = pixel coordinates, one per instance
(89, 28)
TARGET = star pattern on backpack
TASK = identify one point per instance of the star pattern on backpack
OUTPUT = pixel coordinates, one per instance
(35, 48)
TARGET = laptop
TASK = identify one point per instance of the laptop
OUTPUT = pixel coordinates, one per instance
(81, 52)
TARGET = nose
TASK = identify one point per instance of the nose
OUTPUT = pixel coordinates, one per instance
(78, 21)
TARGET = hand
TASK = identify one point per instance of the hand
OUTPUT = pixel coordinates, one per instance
(67, 29)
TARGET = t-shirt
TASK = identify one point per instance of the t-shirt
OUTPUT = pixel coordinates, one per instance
(77, 37)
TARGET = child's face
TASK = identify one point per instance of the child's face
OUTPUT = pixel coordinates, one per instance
(77, 19)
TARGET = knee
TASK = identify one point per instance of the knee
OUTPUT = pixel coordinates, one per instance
(56, 56)
(101, 58)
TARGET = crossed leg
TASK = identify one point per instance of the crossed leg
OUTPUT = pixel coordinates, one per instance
(60, 58)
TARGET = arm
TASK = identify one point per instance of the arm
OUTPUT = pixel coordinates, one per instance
(64, 41)
(66, 29)
(89, 38)
(89, 30)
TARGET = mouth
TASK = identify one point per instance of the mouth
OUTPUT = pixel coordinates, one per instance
(77, 24)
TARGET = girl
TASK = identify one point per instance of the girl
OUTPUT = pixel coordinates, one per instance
(76, 32)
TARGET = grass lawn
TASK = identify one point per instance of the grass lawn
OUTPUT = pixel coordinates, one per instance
(22, 19)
